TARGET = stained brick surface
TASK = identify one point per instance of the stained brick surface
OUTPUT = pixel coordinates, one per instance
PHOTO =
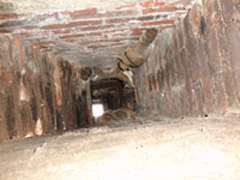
(201, 70)
(77, 25)
(193, 69)
(35, 86)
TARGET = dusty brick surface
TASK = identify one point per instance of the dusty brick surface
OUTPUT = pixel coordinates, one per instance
(34, 85)
(199, 68)
(194, 67)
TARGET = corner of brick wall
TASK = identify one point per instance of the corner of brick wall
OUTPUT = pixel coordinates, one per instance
(197, 71)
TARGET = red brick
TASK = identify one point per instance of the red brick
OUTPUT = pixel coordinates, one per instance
(218, 20)
(161, 28)
(37, 52)
(45, 119)
(147, 4)
(190, 42)
(126, 6)
(123, 34)
(153, 81)
(117, 34)
(145, 18)
(150, 83)
(177, 56)
(73, 24)
(45, 47)
(137, 31)
(114, 31)
(97, 28)
(83, 23)
(25, 34)
(80, 13)
(62, 31)
(162, 22)
(56, 81)
(162, 9)
(30, 35)
(195, 16)
(68, 40)
(34, 35)
(8, 16)
(20, 50)
(106, 40)
(180, 35)
(3, 31)
(116, 44)
(119, 20)
(8, 77)
(29, 27)
(72, 36)
(209, 12)
(93, 34)
(117, 13)
(96, 47)
(90, 116)
(32, 53)
(50, 15)
(74, 14)
(10, 45)
(152, 4)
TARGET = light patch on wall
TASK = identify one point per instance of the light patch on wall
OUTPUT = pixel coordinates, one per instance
(97, 110)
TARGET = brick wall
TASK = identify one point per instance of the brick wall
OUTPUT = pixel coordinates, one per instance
(96, 29)
(36, 85)
(194, 69)
(36, 79)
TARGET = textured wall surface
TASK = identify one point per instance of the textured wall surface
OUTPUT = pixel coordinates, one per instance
(194, 67)
(43, 5)
(197, 71)
(89, 35)
(36, 85)
(43, 44)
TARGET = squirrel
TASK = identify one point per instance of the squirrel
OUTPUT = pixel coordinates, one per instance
(135, 57)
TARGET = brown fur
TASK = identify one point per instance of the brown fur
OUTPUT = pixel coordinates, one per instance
(105, 118)
(116, 115)
(123, 67)
(104, 92)
(135, 57)
(97, 73)
(85, 73)
(116, 73)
